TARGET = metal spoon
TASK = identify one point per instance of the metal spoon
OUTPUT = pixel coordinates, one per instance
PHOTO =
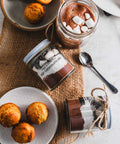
(86, 60)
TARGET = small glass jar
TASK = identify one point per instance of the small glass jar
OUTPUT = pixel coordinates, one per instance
(50, 65)
(68, 38)
(82, 112)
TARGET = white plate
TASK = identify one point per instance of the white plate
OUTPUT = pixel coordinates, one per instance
(23, 96)
(109, 6)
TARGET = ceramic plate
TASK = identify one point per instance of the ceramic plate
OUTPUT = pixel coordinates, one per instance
(14, 11)
(109, 6)
(23, 96)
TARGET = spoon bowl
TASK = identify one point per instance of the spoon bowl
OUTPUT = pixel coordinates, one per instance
(85, 59)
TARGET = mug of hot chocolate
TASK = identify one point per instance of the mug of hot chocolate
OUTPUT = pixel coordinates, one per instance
(76, 21)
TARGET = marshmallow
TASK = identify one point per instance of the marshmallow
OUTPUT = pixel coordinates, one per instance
(42, 62)
(84, 29)
(34, 69)
(87, 16)
(89, 30)
(78, 20)
(69, 28)
(64, 23)
(55, 51)
(49, 55)
(90, 23)
(77, 30)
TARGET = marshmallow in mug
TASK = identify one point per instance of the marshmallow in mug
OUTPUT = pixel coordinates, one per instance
(82, 25)
(87, 16)
(77, 30)
(78, 20)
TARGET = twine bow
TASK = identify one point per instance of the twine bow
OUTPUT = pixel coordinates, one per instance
(103, 116)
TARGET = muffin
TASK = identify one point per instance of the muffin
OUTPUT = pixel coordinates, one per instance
(37, 112)
(23, 133)
(9, 115)
(45, 1)
(34, 12)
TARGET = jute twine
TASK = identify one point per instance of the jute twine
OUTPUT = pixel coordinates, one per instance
(103, 116)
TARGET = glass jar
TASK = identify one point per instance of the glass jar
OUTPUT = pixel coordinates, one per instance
(82, 112)
(69, 38)
(50, 65)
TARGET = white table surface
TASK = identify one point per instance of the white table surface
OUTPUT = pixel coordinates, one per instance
(105, 50)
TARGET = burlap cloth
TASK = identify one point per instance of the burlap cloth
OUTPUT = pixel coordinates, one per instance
(14, 45)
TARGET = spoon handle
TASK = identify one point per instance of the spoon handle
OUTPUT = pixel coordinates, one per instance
(112, 88)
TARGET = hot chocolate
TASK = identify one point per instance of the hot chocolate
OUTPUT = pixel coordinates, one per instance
(76, 21)
(76, 15)
(53, 79)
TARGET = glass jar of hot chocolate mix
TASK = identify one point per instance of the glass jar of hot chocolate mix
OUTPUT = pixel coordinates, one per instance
(82, 112)
(50, 65)
(76, 22)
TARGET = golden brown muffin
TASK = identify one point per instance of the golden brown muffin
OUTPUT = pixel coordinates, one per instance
(37, 112)
(34, 12)
(45, 1)
(23, 133)
(9, 114)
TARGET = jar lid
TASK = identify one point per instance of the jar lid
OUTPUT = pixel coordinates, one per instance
(36, 50)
